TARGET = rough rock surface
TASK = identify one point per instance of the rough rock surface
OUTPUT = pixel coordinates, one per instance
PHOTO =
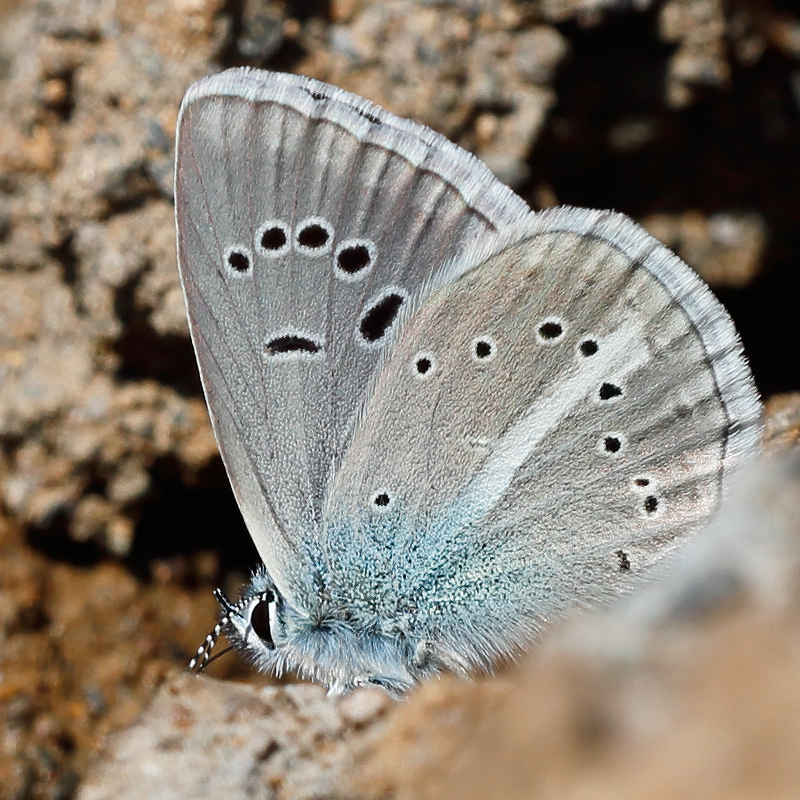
(683, 113)
(200, 738)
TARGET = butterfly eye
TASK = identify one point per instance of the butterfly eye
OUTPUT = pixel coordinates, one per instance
(260, 621)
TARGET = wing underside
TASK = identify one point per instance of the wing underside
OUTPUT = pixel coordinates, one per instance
(560, 413)
(307, 218)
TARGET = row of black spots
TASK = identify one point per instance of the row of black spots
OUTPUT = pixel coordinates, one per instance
(613, 445)
(649, 502)
(321, 96)
(553, 331)
(318, 96)
(312, 237)
(353, 257)
(482, 349)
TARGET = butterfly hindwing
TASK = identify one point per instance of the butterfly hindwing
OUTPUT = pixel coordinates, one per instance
(558, 414)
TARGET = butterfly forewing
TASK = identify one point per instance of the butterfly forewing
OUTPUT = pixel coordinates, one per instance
(307, 218)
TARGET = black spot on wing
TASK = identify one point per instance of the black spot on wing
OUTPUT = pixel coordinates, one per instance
(377, 320)
(353, 259)
(291, 343)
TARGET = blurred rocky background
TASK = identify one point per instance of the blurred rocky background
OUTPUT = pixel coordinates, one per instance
(116, 519)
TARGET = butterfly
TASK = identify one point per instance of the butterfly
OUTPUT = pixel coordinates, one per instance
(446, 419)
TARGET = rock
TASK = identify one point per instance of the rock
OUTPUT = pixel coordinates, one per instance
(726, 248)
(205, 737)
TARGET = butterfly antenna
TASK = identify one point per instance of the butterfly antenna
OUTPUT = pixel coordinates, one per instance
(226, 604)
(215, 657)
(202, 658)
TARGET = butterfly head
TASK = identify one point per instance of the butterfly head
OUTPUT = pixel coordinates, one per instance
(332, 649)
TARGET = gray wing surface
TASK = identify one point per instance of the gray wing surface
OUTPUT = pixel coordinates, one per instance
(583, 403)
(307, 217)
